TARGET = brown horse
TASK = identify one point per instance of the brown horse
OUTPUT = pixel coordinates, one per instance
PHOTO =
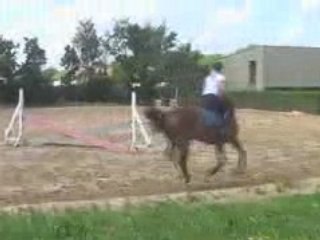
(184, 124)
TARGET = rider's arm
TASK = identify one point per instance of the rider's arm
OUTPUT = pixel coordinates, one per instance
(221, 84)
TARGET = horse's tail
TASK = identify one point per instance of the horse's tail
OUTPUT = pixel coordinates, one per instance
(156, 117)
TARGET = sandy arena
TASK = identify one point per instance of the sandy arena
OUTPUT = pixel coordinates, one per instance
(281, 147)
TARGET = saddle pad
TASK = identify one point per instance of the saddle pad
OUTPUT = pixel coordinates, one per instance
(211, 119)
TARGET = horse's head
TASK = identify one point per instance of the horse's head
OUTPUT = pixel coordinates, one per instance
(156, 117)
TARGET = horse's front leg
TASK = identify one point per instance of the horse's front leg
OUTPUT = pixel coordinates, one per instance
(173, 155)
(221, 157)
(242, 160)
(170, 151)
(183, 158)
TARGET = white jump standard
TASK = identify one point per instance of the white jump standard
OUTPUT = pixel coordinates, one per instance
(14, 132)
(137, 122)
(11, 137)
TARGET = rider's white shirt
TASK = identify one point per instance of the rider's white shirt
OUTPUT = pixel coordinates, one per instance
(212, 83)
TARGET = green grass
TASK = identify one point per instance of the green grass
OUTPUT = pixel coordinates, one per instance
(295, 217)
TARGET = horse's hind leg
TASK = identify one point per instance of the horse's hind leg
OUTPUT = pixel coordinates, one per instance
(170, 152)
(242, 162)
(174, 156)
(221, 157)
(173, 153)
(169, 149)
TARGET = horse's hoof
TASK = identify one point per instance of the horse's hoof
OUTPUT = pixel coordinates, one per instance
(179, 177)
(212, 172)
(206, 179)
(187, 180)
(240, 171)
(209, 173)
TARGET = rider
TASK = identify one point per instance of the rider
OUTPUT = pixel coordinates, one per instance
(212, 96)
(213, 90)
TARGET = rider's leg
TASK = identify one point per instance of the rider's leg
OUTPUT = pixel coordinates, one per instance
(210, 102)
(215, 104)
(221, 109)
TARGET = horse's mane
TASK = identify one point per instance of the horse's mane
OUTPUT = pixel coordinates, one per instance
(156, 116)
(229, 104)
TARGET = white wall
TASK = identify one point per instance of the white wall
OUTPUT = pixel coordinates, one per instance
(236, 67)
(292, 66)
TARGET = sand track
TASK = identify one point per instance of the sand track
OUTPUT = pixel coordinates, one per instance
(281, 147)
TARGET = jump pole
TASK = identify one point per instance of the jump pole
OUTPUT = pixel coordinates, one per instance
(9, 133)
(11, 138)
(136, 122)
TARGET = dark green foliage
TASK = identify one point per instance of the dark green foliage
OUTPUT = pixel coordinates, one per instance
(102, 69)
(150, 55)
(279, 100)
(71, 62)
(8, 62)
(87, 43)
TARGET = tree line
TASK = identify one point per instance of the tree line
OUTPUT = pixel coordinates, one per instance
(102, 68)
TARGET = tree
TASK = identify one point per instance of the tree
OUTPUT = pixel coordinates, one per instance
(71, 63)
(51, 74)
(182, 71)
(35, 56)
(70, 59)
(140, 50)
(87, 46)
(115, 43)
(132, 40)
(87, 43)
(210, 59)
(8, 62)
(30, 75)
(150, 55)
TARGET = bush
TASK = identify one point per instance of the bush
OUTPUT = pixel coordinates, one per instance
(306, 101)
(275, 100)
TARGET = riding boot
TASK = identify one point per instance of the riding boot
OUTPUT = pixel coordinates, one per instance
(223, 130)
(222, 133)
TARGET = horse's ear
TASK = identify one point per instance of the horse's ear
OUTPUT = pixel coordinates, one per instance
(152, 113)
(148, 112)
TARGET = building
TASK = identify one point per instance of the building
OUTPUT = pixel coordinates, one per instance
(260, 67)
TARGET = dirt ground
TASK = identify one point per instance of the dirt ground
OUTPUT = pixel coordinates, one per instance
(281, 147)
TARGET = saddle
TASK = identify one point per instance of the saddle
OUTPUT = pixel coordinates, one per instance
(214, 119)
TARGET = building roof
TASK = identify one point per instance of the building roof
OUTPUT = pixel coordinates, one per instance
(252, 46)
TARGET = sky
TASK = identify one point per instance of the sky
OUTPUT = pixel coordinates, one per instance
(212, 26)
